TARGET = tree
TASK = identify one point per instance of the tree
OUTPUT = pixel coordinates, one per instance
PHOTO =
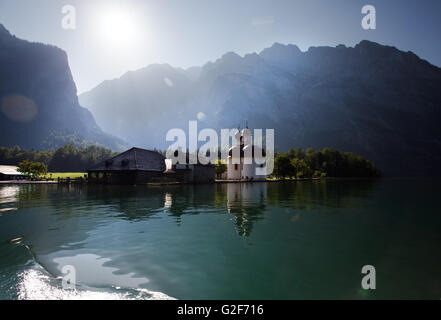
(68, 158)
(283, 167)
(220, 168)
(30, 168)
(301, 168)
(319, 174)
(25, 167)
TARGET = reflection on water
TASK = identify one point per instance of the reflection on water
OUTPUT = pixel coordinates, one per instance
(8, 194)
(323, 193)
(18, 196)
(303, 240)
(168, 201)
(246, 202)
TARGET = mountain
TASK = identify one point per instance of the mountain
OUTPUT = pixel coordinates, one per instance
(370, 99)
(39, 106)
(133, 106)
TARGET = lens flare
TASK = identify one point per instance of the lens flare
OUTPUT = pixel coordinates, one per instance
(168, 82)
(19, 108)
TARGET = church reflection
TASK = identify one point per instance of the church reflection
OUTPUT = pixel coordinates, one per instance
(246, 202)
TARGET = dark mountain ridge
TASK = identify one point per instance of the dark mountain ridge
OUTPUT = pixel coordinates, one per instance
(38, 99)
(370, 99)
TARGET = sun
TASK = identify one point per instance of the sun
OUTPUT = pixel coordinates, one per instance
(117, 27)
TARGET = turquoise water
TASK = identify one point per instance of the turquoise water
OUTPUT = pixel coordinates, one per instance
(304, 240)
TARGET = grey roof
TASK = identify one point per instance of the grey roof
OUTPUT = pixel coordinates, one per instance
(10, 170)
(133, 159)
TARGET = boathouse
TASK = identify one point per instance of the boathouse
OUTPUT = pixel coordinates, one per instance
(10, 173)
(139, 166)
(135, 166)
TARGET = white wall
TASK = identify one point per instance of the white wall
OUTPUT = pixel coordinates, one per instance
(233, 174)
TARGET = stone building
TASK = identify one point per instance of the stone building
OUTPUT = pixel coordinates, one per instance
(139, 166)
(135, 166)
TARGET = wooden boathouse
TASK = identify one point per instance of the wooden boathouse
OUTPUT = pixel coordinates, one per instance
(135, 166)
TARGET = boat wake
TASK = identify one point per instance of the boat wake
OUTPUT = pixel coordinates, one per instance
(36, 284)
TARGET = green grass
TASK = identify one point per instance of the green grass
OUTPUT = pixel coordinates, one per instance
(64, 175)
(274, 178)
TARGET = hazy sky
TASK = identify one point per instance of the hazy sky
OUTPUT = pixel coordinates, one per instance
(185, 33)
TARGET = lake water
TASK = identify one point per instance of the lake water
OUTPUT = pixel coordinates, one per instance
(294, 240)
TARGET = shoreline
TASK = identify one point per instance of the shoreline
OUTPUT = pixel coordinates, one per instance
(14, 182)
(266, 181)
(26, 182)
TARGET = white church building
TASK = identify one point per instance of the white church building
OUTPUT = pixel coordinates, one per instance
(245, 160)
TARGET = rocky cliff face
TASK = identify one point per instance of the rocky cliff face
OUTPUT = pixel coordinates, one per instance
(371, 99)
(38, 99)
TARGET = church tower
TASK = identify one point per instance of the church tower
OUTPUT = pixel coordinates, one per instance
(241, 164)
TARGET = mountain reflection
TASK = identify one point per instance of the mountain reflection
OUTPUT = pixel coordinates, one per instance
(310, 195)
(64, 220)
(247, 203)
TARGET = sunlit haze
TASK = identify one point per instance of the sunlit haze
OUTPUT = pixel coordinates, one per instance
(113, 37)
(118, 27)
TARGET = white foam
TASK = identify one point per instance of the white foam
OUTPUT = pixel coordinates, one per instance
(36, 285)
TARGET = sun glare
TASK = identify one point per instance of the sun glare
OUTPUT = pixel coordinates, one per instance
(117, 27)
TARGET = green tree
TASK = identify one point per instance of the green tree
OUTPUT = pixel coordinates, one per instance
(319, 174)
(220, 168)
(301, 168)
(30, 168)
(283, 167)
